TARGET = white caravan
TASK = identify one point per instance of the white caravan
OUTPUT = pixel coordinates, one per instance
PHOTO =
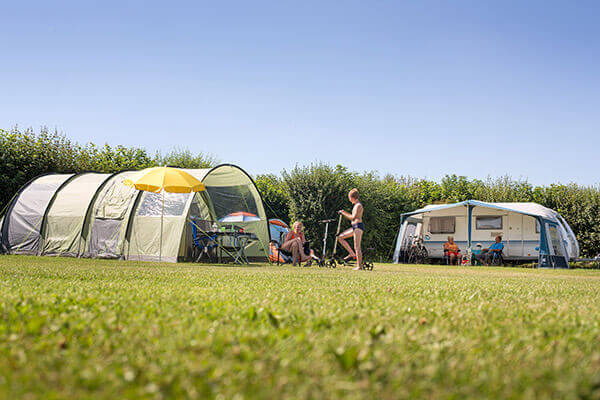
(530, 232)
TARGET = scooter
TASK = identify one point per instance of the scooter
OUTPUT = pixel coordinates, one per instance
(336, 259)
(323, 261)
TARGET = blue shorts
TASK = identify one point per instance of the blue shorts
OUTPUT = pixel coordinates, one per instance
(358, 225)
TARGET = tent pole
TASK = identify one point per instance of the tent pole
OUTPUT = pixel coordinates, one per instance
(469, 218)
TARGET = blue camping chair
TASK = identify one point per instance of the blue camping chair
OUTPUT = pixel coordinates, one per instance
(495, 258)
(203, 241)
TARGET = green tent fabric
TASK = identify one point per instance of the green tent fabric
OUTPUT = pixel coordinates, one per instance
(96, 215)
(230, 189)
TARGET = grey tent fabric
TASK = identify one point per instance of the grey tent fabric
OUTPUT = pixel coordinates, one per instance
(21, 230)
(2, 249)
(66, 216)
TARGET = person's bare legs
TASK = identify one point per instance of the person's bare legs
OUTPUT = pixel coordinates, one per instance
(293, 246)
(295, 253)
(289, 245)
(347, 234)
(357, 248)
(301, 256)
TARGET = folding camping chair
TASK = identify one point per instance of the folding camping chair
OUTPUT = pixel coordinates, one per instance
(457, 259)
(495, 258)
(277, 255)
(203, 240)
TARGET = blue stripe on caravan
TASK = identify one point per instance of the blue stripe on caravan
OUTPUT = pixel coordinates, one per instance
(481, 241)
(443, 241)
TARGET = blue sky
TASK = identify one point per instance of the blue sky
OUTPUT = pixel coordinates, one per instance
(419, 88)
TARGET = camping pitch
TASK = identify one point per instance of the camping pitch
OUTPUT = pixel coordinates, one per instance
(97, 215)
(530, 232)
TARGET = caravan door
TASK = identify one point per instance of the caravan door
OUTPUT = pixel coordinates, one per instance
(514, 235)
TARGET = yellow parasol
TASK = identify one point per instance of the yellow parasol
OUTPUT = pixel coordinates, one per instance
(169, 179)
(164, 179)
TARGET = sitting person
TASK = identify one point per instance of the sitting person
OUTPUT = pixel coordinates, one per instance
(451, 250)
(487, 254)
(295, 244)
(476, 252)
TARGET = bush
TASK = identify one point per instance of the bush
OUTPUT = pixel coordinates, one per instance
(275, 196)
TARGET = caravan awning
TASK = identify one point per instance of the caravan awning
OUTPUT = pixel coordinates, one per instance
(531, 209)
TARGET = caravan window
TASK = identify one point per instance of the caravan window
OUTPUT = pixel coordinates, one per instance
(442, 224)
(488, 222)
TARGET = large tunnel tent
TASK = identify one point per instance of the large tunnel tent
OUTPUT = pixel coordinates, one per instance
(96, 215)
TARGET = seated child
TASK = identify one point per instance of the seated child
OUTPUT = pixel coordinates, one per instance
(475, 253)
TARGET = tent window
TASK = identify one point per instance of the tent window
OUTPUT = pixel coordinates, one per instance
(152, 204)
(442, 224)
(115, 200)
(230, 199)
(488, 222)
(537, 226)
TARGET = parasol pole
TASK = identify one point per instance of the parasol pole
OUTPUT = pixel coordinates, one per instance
(162, 213)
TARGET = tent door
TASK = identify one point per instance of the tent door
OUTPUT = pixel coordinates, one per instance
(557, 256)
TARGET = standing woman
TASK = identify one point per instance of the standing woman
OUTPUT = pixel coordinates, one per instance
(356, 231)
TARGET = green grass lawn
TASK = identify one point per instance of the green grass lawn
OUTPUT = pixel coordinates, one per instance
(114, 329)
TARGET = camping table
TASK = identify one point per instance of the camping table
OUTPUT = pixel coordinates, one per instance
(238, 242)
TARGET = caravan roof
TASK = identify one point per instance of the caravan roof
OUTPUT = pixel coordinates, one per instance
(532, 209)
